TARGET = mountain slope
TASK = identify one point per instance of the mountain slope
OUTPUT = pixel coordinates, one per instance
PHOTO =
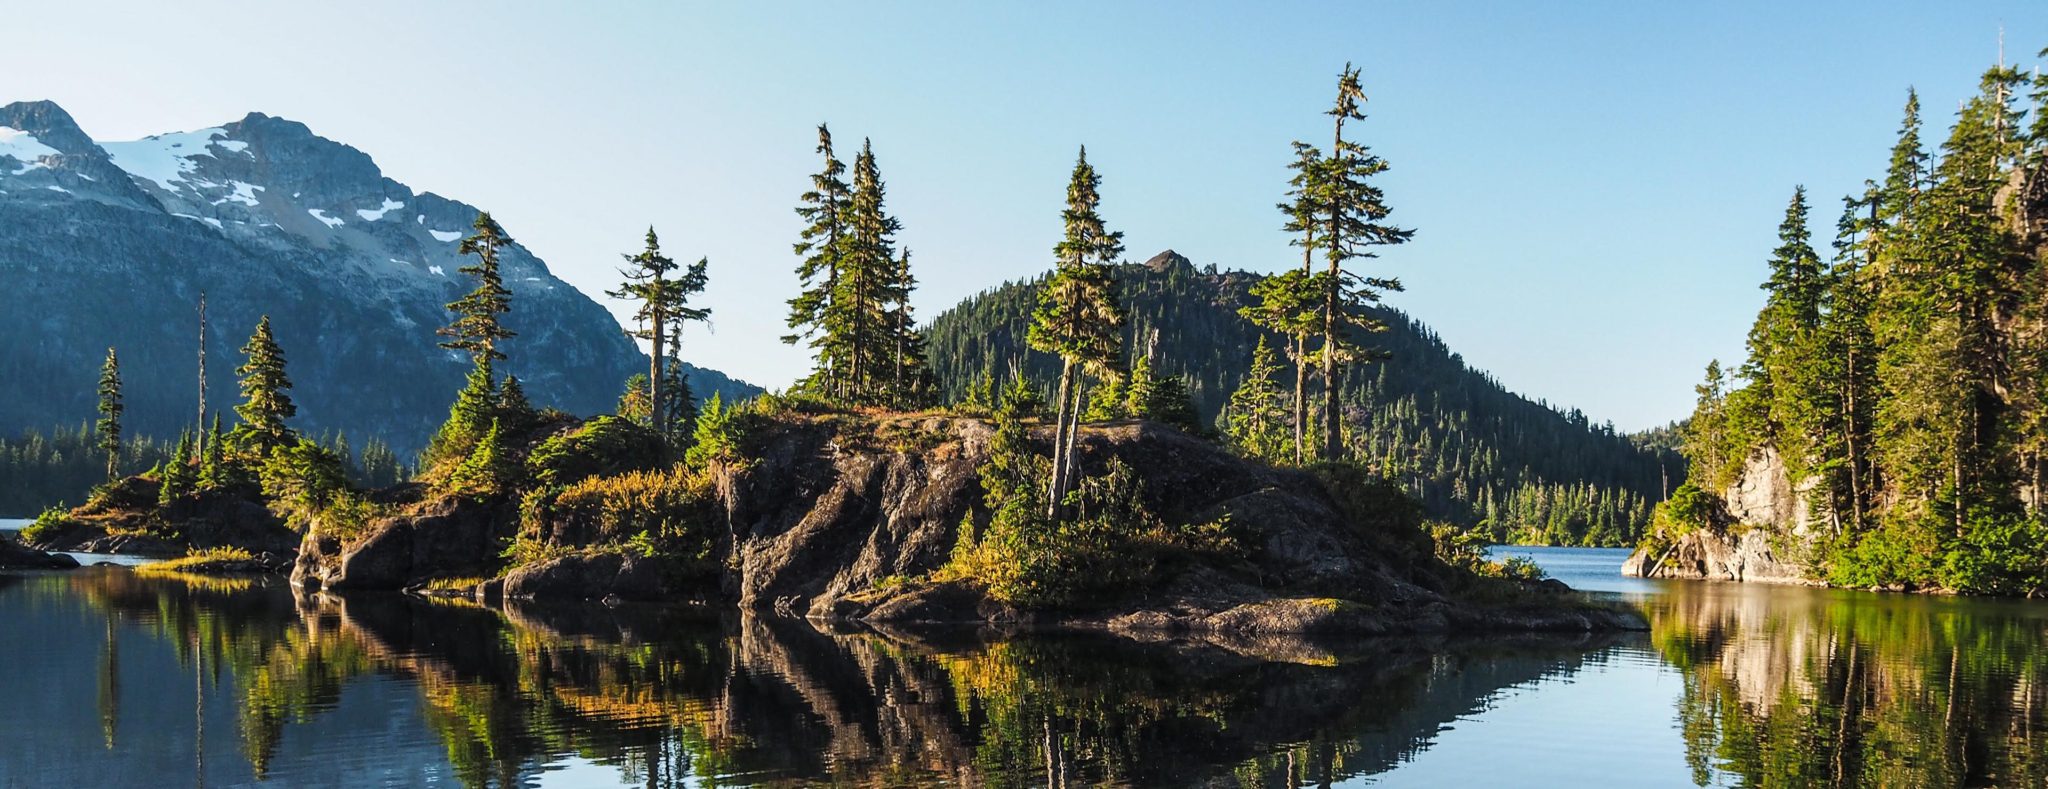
(111, 244)
(1472, 451)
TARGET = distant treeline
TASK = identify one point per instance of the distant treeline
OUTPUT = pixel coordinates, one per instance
(40, 470)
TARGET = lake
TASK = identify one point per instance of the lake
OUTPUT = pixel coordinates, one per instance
(117, 679)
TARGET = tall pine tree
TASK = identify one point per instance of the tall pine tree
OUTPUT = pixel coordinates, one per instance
(108, 429)
(266, 402)
(1078, 316)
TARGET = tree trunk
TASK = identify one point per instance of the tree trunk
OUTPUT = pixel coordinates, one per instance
(1333, 427)
(1300, 398)
(655, 415)
(1056, 487)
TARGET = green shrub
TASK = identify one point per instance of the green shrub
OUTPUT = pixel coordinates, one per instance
(723, 431)
(603, 446)
(301, 479)
(52, 523)
(672, 515)
(1466, 550)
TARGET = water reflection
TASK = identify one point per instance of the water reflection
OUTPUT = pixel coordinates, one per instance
(116, 679)
(242, 681)
(1800, 687)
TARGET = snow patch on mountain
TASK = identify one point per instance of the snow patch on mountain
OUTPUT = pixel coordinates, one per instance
(24, 147)
(330, 221)
(167, 158)
(445, 236)
(372, 215)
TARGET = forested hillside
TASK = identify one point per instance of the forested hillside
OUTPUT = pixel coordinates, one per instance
(1473, 452)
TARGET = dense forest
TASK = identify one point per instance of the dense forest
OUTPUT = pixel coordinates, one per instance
(1473, 452)
(1901, 380)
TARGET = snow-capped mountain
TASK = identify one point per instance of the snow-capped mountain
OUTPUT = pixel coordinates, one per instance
(110, 244)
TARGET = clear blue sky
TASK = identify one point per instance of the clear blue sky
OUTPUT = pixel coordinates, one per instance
(1595, 186)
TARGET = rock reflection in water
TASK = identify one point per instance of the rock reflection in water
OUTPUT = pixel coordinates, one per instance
(1805, 687)
(364, 689)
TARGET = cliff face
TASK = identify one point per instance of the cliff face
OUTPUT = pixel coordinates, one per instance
(1765, 514)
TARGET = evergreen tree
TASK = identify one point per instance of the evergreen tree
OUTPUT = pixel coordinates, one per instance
(910, 379)
(633, 402)
(265, 401)
(1783, 366)
(475, 409)
(1255, 420)
(215, 469)
(109, 427)
(857, 322)
(478, 327)
(179, 476)
(1354, 213)
(1077, 316)
(664, 308)
(490, 468)
(513, 407)
(1021, 397)
(821, 246)
(647, 281)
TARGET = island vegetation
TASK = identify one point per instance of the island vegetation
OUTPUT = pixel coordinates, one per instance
(870, 490)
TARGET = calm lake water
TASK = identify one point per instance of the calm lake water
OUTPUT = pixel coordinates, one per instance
(108, 678)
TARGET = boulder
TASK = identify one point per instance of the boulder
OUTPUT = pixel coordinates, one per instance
(446, 537)
(15, 556)
(586, 576)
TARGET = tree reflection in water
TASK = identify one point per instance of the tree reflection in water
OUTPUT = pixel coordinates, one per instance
(1802, 687)
(1780, 687)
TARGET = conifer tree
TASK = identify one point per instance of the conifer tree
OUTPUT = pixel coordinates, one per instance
(910, 379)
(1286, 301)
(266, 403)
(1078, 316)
(647, 281)
(1255, 419)
(108, 429)
(179, 477)
(478, 327)
(857, 321)
(1354, 213)
(1021, 397)
(1782, 365)
(214, 472)
(475, 408)
(490, 467)
(821, 246)
(633, 402)
(513, 407)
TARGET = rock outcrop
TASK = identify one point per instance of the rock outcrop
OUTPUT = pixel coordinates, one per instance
(126, 519)
(1711, 555)
(15, 556)
(839, 523)
(1767, 515)
(445, 537)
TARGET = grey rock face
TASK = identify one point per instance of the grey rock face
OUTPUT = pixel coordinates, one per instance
(111, 244)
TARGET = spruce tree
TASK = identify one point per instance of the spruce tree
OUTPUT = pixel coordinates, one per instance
(489, 469)
(1354, 213)
(108, 429)
(1078, 316)
(266, 403)
(633, 402)
(513, 407)
(1255, 420)
(478, 327)
(1783, 366)
(857, 321)
(476, 408)
(214, 470)
(821, 246)
(910, 379)
(178, 477)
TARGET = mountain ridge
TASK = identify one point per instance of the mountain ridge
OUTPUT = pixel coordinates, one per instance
(265, 217)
